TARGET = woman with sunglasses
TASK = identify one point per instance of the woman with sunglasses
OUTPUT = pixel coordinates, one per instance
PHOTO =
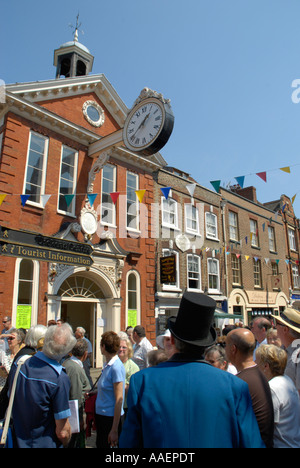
(15, 341)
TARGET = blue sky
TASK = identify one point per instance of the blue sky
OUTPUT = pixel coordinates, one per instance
(227, 66)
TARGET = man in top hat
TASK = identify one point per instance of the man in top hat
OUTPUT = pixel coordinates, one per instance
(185, 402)
(288, 330)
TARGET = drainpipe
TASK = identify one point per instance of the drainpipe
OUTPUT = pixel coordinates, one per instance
(223, 204)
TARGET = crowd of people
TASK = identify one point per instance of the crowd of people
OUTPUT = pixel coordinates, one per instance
(198, 387)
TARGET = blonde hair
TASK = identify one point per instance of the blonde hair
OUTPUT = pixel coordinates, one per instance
(274, 356)
(129, 345)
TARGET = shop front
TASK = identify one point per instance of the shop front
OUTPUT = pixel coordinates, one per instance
(251, 304)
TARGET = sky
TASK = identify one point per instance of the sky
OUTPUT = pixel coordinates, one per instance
(229, 67)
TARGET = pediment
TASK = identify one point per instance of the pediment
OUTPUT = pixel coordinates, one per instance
(63, 90)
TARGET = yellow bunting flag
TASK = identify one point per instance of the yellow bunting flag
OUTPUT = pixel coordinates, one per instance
(140, 194)
(286, 169)
(293, 199)
(247, 257)
(2, 198)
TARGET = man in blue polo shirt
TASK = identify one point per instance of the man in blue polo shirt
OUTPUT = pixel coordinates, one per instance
(41, 405)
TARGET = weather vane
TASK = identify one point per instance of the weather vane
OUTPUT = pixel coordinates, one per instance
(76, 28)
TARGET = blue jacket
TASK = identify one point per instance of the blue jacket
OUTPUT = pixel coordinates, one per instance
(180, 404)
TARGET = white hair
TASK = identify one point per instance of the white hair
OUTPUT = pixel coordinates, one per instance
(59, 341)
(34, 334)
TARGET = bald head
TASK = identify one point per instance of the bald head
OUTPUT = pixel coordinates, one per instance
(243, 339)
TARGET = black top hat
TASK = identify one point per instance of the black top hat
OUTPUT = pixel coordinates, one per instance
(193, 324)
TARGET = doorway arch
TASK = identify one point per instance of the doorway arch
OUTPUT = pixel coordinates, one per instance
(86, 298)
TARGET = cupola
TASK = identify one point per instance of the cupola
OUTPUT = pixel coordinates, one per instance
(73, 58)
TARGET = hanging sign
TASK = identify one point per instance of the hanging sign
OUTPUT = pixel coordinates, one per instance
(168, 269)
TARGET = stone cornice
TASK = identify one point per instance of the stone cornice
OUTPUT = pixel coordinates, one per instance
(60, 88)
(48, 119)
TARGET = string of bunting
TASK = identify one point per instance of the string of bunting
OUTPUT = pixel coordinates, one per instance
(166, 191)
(262, 175)
(69, 197)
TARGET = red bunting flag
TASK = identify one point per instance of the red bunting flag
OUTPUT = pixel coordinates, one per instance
(114, 197)
(262, 175)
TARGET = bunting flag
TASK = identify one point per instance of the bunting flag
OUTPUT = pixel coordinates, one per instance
(191, 189)
(216, 184)
(166, 191)
(2, 198)
(45, 199)
(69, 199)
(240, 180)
(92, 197)
(247, 257)
(293, 199)
(286, 169)
(114, 196)
(24, 199)
(262, 175)
(140, 194)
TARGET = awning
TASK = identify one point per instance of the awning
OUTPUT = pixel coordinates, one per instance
(220, 314)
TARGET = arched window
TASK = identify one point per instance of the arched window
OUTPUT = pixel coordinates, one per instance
(81, 287)
(80, 68)
(25, 301)
(133, 298)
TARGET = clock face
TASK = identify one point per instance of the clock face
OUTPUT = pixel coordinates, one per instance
(144, 124)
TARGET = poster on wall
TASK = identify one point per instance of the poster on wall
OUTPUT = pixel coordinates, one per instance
(23, 316)
(132, 318)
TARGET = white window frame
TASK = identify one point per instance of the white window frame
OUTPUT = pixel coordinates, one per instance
(236, 266)
(192, 219)
(44, 169)
(35, 291)
(166, 210)
(112, 206)
(72, 206)
(172, 287)
(296, 277)
(209, 261)
(257, 273)
(195, 258)
(134, 205)
(138, 295)
(292, 239)
(233, 226)
(254, 232)
(209, 225)
(272, 239)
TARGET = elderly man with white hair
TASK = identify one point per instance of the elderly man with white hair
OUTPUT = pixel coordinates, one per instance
(41, 405)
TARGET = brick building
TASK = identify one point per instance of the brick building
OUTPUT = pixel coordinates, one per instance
(285, 208)
(56, 188)
(255, 257)
(189, 227)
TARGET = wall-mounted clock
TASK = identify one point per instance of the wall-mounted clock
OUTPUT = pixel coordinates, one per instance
(149, 124)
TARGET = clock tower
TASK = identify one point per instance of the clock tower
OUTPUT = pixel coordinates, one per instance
(73, 58)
